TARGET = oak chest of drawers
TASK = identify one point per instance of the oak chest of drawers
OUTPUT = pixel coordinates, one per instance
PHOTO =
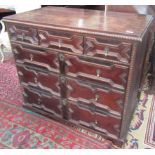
(78, 66)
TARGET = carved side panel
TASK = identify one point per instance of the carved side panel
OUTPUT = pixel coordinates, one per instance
(36, 57)
(61, 40)
(98, 120)
(105, 73)
(40, 100)
(109, 49)
(23, 33)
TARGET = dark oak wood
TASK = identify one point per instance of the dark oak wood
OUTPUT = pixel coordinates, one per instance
(109, 49)
(77, 70)
(42, 80)
(61, 40)
(105, 72)
(102, 122)
(36, 57)
(149, 64)
(44, 101)
(23, 33)
(108, 99)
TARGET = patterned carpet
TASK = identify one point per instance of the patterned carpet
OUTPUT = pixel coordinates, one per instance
(20, 128)
(142, 127)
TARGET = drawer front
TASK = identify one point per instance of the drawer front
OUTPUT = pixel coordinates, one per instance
(61, 40)
(46, 81)
(115, 50)
(102, 122)
(111, 100)
(48, 103)
(36, 57)
(105, 73)
(23, 33)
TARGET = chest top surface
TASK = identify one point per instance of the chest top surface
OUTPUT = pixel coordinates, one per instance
(89, 20)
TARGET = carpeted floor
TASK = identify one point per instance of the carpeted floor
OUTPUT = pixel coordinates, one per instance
(141, 132)
(20, 128)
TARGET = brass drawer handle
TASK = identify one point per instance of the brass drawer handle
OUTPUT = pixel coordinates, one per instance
(35, 80)
(98, 72)
(106, 51)
(39, 100)
(97, 97)
(31, 57)
(22, 36)
(96, 122)
(60, 43)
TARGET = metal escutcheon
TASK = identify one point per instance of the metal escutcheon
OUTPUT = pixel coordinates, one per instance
(62, 79)
(64, 102)
(61, 57)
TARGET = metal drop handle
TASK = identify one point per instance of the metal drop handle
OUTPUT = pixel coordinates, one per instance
(98, 72)
(31, 57)
(97, 97)
(60, 43)
(22, 36)
(106, 51)
(39, 100)
(35, 80)
(96, 122)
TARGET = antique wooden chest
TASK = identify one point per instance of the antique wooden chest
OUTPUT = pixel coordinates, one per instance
(81, 67)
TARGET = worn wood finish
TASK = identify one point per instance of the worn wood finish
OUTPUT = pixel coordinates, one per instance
(109, 99)
(97, 119)
(61, 40)
(83, 19)
(47, 102)
(109, 49)
(23, 34)
(78, 70)
(105, 72)
(36, 57)
(42, 80)
(149, 64)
